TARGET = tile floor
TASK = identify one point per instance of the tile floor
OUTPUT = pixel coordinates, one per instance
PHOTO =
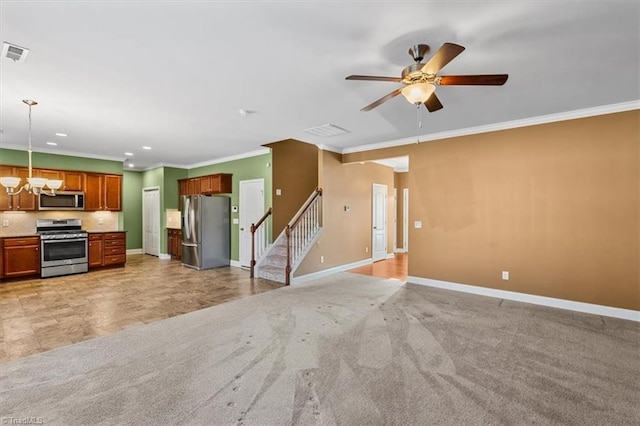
(37, 315)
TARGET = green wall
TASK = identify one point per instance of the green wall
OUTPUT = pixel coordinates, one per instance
(132, 208)
(59, 162)
(244, 169)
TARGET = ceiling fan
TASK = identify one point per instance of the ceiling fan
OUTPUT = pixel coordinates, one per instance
(420, 79)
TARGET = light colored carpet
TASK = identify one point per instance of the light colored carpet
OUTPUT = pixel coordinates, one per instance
(348, 349)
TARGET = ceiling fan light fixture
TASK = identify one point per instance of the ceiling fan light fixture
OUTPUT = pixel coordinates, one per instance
(418, 93)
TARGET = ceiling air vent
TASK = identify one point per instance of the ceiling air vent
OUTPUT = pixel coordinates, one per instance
(327, 130)
(13, 52)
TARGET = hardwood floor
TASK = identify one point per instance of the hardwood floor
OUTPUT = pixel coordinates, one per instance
(37, 315)
(396, 268)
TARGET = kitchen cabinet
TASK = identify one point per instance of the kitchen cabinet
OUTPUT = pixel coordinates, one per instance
(103, 192)
(96, 250)
(115, 248)
(72, 181)
(24, 201)
(174, 243)
(107, 249)
(21, 256)
(219, 183)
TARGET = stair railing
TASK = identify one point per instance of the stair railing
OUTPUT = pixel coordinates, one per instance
(259, 239)
(302, 228)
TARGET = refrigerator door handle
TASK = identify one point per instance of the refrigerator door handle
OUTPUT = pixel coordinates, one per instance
(189, 245)
(187, 225)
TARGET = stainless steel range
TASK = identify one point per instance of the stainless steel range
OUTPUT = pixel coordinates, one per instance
(64, 247)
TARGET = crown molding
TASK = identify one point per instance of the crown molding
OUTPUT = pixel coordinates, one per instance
(325, 147)
(249, 154)
(62, 152)
(543, 119)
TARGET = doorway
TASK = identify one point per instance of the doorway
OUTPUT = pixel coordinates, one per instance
(151, 221)
(379, 222)
(405, 220)
(251, 209)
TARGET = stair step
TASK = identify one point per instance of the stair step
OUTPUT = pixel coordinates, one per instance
(272, 273)
(274, 259)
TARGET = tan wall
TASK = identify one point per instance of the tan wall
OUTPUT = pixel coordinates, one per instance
(400, 182)
(557, 205)
(295, 173)
(347, 234)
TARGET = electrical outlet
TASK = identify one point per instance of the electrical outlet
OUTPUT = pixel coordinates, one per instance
(505, 275)
(366, 249)
(5, 222)
(100, 221)
(417, 224)
(278, 191)
(321, 259)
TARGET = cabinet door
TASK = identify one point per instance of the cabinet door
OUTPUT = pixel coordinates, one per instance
(73, 181)
(193, 186)
(24, 201)
(221, 183)
(205, 185)
(94, 187)
(113, 192)
(47, 174)
(96, 250)
(6, 201)
(21, 260)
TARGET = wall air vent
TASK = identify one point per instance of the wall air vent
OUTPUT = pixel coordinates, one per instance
(14, 52)
(327, 130)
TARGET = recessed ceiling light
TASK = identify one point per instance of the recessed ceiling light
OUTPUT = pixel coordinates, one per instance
(131, 164)
(146, 147)
(128, 153)
(52, 143)
(62, 135)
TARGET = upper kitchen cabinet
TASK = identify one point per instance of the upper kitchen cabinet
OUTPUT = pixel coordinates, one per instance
(24, 201)
(103, 192)
(216, 184)
(219, 183)
(72, 181)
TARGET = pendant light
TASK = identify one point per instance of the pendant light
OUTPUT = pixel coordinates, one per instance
(34, 185)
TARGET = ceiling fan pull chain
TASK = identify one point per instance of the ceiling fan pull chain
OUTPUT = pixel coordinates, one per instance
(418, 122)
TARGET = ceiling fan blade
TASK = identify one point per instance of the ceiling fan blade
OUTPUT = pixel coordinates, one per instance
(472, 80)
(382, 100)
(442, 57)
(373, 78)
(433, 103)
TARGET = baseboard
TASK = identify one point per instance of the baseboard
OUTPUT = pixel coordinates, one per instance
(390, 256)
(134, 251)
(326, 272)
(235, 263)
(164, 256)
(552, 302)
(399, 250)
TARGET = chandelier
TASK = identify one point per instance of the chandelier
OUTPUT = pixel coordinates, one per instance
(33, 185)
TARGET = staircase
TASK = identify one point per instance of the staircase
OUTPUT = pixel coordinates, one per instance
(278, 261)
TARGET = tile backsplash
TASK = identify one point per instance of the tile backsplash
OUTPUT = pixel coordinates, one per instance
(25, 222)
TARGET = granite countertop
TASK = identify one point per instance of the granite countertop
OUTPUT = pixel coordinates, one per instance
(19, 235)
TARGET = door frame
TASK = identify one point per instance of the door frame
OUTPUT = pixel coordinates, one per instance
(158, 216)
(373, 217)
(241, 212)
(405, 219)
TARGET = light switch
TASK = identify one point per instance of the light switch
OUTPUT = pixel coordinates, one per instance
(417, 224)
(236, 221)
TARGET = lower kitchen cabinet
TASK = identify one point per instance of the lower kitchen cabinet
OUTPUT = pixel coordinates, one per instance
(174, 243)
(21, 257)
(96, 250)
(107, 249)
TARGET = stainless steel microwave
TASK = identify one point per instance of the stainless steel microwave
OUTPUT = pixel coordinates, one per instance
(63, 200)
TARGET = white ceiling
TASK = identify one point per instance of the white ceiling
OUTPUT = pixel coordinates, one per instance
(172, 75)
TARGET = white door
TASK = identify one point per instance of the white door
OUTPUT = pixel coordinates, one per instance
(250, 210)
(151, 221)
(379, 222)
(395, 219)
(405, 219)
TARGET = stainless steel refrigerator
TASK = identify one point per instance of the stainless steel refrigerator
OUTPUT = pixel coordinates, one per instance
(205, 231)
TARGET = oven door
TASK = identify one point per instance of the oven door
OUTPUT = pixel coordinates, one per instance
(64, 252)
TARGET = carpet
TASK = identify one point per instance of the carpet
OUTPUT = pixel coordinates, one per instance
(347, 349)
